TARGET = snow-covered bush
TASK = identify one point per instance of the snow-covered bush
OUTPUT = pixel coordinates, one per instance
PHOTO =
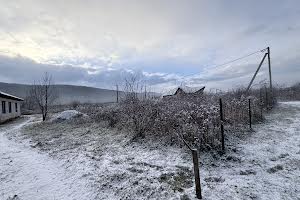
(139, 115)
(195, 118)
(291, 93)
(236, 106)
(111, 114)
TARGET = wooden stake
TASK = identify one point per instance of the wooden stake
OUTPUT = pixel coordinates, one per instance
(196, 168)
(196, 173)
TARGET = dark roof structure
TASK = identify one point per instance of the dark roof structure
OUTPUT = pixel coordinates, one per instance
(183, 91)
(9, 96)
(187, 90)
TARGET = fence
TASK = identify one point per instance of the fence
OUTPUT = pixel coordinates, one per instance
(234, 112)
(238, 114)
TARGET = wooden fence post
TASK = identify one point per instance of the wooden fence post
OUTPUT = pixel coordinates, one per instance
(196, 173)
(250, 115)
(222, 126)
(196, 169)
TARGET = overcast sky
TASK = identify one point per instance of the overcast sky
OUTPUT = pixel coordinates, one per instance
(166, 42)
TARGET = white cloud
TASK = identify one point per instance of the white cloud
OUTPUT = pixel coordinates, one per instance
(166, 40)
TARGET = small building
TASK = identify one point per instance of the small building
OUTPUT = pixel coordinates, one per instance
(10, 106)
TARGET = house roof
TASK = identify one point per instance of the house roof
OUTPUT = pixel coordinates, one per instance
(9, 96)
(185, 89)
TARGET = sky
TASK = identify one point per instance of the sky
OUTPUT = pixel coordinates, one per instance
(166, 43)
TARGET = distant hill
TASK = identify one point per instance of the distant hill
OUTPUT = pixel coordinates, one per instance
(67, 93)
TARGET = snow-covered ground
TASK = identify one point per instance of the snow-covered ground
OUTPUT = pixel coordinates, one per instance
(81, 160)
(28, 174)
(67, 115)
(265, 165)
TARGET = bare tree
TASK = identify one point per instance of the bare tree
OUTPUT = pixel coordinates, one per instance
(132, 87)
(135, 88)
(44, 94)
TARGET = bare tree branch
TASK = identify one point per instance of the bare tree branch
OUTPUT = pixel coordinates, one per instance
(44, 94)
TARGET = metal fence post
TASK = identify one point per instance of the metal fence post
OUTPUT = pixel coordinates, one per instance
(222, 126)
(267, 99)
(250, 115)
(261, 104)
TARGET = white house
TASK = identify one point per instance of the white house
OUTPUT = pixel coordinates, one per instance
(10, 106)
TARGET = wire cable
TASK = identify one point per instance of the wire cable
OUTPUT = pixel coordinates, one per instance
(231, 61)
(240, 58)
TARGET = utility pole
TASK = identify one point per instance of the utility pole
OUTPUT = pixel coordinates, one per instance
(270, 74)
(117, 93)
(260, 64)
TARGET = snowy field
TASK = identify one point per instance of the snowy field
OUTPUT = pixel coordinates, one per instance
(82, 160)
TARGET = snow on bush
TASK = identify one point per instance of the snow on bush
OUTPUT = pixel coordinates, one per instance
(196, 118)
(67, 115)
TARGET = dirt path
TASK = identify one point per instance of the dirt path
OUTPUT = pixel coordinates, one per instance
(27, 174)
(265, 165)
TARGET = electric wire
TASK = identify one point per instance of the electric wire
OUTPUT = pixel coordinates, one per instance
(231, 61)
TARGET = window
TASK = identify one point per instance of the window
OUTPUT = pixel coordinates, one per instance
(3, 107)
(9, 107)
(16, 106)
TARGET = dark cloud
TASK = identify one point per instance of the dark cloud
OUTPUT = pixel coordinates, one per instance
(24, 70)
(98, 43)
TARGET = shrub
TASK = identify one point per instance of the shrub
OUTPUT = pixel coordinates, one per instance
(140, 115)
(193, 118)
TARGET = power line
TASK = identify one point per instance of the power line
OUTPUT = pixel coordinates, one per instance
(240, 58)
(231, 61)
